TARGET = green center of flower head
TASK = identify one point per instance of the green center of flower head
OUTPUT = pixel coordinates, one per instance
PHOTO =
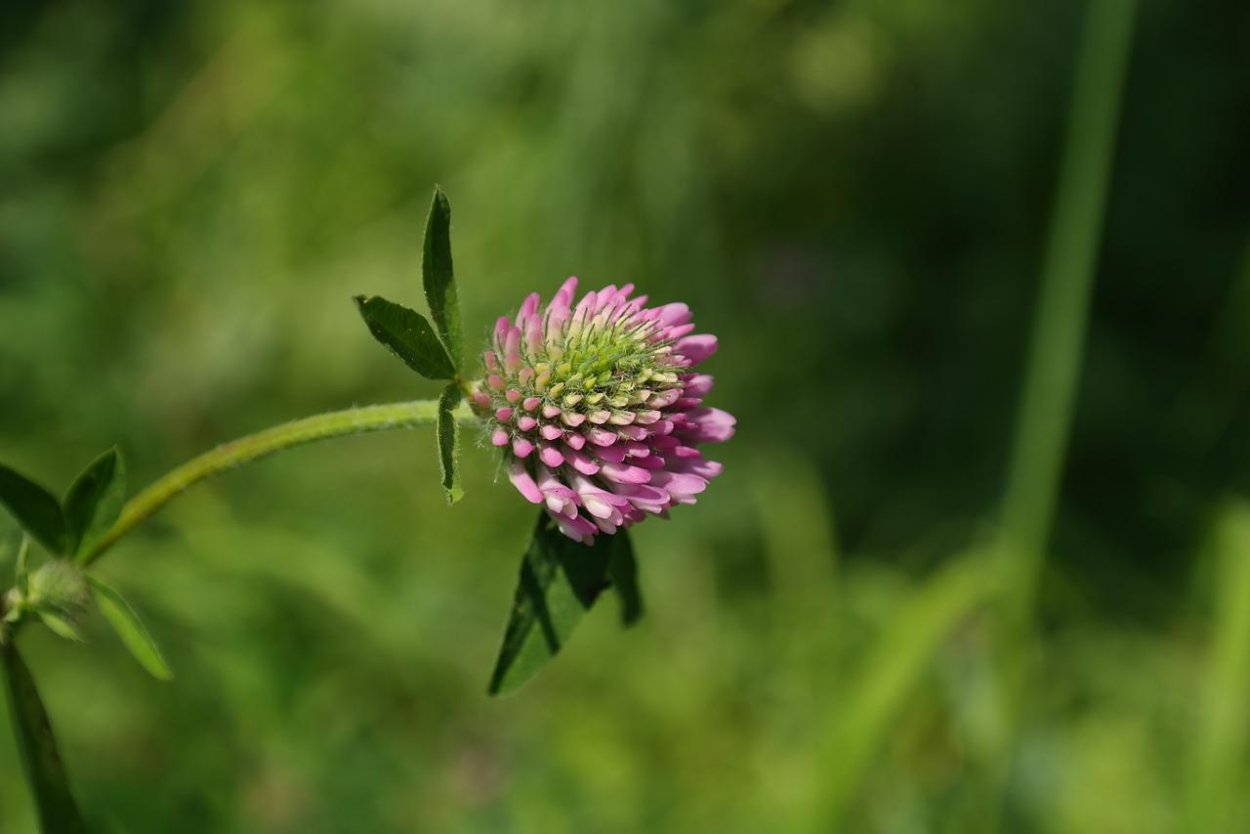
(618, 365)
(604, 366)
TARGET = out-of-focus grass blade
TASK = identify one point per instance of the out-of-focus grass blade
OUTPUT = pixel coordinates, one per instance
(449, 442)
(560, 580)
(133, 633)
(45, 772)
(95, 500)
(797, 525)
(1044, 422)
(892, 670)
(439, 278)
(36, 510)
(1216, 775)
(1056, 348)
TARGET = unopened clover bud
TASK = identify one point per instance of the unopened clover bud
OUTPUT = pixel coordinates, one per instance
(59, 594)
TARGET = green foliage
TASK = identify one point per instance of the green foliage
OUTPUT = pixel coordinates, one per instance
(12, 544)
(892, 668)
(408, 335)
(21, 567)
(439, 278)
(623, 574)
(94, 501)
(559, 581)
(45, 772)
(130, 628)
(1218, 741)
(91, 505)
(57, 593)
(406, 332)
(59, 624)
(858, 212)
(35, 509)
(449, 442)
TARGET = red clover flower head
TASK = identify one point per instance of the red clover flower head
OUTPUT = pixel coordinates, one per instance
(598, 409)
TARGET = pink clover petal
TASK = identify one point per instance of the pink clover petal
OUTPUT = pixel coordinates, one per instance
(682, 487)
(706, 469)
(673, 314)
(551, 456)
(612, 454)
(634, 432)
(712, 425)
(625, 473)
(601, 437)
(664, 398)
(524, 483)
(581, 462)
(609, 525)
(696, 348)
(576, 528)
(533, 337)
(560, 499)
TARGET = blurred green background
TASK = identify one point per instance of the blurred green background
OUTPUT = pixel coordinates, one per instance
(856, 197)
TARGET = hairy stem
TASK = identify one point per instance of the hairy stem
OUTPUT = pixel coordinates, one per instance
(254, 446)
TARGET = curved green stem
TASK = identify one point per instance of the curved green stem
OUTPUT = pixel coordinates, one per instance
(254, 446)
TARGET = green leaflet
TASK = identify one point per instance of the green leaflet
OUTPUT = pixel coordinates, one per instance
(408, 335)
(35, 509)
(623, 574)
(94, 501)
(11, 543)
(59, 624)
(133, 633)
(439, 278)
(449, 442)
(560, 580)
